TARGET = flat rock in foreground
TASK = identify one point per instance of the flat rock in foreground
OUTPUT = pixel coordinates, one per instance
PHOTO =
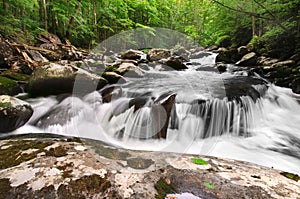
(72, 168)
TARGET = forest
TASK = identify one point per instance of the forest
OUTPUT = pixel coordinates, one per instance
(270, 25)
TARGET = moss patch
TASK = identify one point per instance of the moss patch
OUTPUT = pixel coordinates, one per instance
(110, 153)
(8, 86)
(84, 187)
(4, 187)
(291, 176)
(163, 188)
(15, 76)
(56, 152)
(139, 163)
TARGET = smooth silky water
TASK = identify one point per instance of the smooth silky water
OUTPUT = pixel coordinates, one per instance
(265, 131)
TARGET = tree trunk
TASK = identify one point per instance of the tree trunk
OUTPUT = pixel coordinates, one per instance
(253, 25)
(72, 20)
(261, 28)
(5, 6)
(45, 15)
(22, 13)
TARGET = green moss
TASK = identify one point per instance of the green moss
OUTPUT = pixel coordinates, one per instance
(4, 186)
(209, 185)
(57, 151)
(7, 86)
(291, 176)
(4, 104)
(199, 161)
(163, 188)
(13, 156)
(67, 170)
(15, 76)
(139, 163)
(85, 187)
(110, 153)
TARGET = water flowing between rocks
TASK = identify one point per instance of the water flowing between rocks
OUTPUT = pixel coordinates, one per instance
(198, 111)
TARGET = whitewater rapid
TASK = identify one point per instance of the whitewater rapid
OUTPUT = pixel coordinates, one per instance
(265, 131)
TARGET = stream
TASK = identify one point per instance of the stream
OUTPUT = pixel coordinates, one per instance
(229, 115)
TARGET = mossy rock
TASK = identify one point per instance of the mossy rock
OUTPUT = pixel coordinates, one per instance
(9, 86)
(13, 154)
(163, 188)
(16, 76)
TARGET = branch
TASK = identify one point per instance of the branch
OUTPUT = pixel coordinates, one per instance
(241, 11)
(272, 15)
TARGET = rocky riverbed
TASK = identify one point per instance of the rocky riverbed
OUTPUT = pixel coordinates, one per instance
(73, 168)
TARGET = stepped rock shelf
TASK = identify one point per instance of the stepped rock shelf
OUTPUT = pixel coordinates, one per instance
(61, 167)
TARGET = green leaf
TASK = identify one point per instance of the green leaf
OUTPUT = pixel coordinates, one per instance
(209, 185)
(199, 161)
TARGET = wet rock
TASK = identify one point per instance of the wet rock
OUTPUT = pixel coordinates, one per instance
(167, 104)
(283, 63)
(183, 53)
(243, 50)
(266, 61)
(14, 113)
(129, 70)
(175, 62)
(113, 77)
(157, 54)
(200, 55)
(222, 68)
(249, 59)
(243, 86)
(133, 54)
(296, 86)
(110, 92)
(51, 79)
(227, 55)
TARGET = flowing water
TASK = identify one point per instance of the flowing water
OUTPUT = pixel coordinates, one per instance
(226, 115)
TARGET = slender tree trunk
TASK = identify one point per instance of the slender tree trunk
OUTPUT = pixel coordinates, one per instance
(5, 6)
(253, 25)
(22, 13)
(72, 20)
(261, 28)
(45, 15)
(41, 15)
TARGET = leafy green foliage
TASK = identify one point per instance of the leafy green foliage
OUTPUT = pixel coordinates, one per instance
(88, 22)
(199, 161)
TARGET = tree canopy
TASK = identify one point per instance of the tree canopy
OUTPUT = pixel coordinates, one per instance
(221, 22)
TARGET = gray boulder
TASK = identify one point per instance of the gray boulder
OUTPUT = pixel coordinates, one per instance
(54, 79)
(156, 54)
(14, 113)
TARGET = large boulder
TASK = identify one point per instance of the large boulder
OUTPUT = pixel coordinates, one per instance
(54, 79)
(250, 59)
(156, 54)
(227, 55)
(14, 113)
